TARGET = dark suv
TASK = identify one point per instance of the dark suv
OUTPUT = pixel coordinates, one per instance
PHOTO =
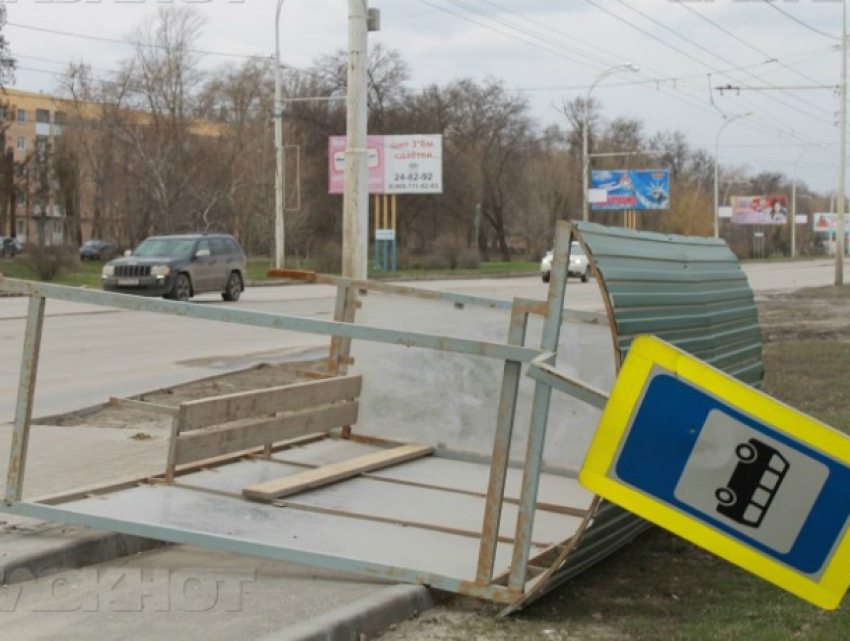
(179, 267)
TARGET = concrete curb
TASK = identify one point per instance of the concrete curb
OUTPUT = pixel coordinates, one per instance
(32, 556)
(367, 617)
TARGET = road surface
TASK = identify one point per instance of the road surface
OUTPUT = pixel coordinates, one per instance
(90, 353)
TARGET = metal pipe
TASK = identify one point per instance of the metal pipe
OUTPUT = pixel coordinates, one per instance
(26, 395)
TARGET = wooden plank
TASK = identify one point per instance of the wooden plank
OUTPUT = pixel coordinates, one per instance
(288, 398)
(132, 404)
(195, 446)
(328, 474)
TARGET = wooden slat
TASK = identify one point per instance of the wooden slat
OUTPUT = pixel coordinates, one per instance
(327, 474)
(288, 398)
(196, 446)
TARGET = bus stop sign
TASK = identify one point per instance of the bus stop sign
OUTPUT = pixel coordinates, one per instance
(727, 467)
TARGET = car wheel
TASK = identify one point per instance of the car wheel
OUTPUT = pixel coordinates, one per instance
(182, 289)
(233, 290)
(584, 276)
(545, 276)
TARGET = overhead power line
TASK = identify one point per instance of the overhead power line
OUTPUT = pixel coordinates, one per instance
(775, 7)
(743, 41)
(203, 52)
(780, 130)
(724, 60)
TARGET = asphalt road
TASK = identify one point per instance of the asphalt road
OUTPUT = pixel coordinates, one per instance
(90, 353)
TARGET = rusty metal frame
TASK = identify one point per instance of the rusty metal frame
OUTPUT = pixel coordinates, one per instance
(506, 589)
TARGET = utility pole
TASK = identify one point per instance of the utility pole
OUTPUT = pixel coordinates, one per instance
(355, 207)
(842, 153)
(279, 185)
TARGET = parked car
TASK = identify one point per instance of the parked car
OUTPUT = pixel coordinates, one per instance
(97, 250)
(579, 265)
(10, 247)
(180, 266)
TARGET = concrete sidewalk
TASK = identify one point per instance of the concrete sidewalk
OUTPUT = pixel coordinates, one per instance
(141, 589)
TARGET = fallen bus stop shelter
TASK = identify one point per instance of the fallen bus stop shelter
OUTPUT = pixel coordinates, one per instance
(444, 460)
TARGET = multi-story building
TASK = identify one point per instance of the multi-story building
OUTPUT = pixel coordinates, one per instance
(32, 121)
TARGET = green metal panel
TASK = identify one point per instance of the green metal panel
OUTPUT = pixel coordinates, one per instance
(688, 291)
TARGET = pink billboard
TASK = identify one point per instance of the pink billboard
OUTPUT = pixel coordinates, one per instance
(400, 164)
(336, 161)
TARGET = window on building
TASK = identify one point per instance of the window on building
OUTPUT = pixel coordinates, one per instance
(22, 115)
(22, 143)
(60, 117)
(4, 113)
(21, 197)
(21, 169)
(42, 115)
(21, 229)
(41, 143)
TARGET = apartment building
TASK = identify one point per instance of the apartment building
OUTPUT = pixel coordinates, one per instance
(33, 120)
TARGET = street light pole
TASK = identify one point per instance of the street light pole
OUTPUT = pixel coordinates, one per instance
(794, 202)
(585, 173)
(279, 184)
(728, 122)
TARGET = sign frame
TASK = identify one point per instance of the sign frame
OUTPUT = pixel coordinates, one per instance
(648, 356)
(398, 164)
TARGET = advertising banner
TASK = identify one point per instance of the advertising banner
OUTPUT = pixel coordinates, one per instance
(631, 189)
(759, 210)
(826, 223)
(409, 164)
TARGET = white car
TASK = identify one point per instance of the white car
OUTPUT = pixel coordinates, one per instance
(579, 265)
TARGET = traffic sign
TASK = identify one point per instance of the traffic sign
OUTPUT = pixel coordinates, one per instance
(727, 467)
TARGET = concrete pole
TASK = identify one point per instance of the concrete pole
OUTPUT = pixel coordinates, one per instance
(794, 211)
(355, 222)
(842, 154)
(279, 185)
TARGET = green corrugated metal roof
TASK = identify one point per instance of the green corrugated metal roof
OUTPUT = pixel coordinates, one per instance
(686, 290)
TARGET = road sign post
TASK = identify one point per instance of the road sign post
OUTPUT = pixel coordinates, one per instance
(727, 467)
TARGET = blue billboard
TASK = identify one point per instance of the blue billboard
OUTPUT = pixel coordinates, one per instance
(630, 189)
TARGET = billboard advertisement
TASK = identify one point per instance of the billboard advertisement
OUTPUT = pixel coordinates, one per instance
(826, 223)
(409, 164)
(759, 210)
(630, 189)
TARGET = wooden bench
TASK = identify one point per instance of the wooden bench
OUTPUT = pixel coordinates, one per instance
(212, 427)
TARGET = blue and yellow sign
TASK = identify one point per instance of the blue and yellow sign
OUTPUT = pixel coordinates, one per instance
(727, 467)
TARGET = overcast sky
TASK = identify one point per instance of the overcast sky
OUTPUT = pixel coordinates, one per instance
(550, 49)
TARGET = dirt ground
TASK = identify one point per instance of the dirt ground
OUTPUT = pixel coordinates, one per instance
(149, 425)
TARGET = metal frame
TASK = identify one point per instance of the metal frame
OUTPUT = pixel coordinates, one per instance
(527, 577)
